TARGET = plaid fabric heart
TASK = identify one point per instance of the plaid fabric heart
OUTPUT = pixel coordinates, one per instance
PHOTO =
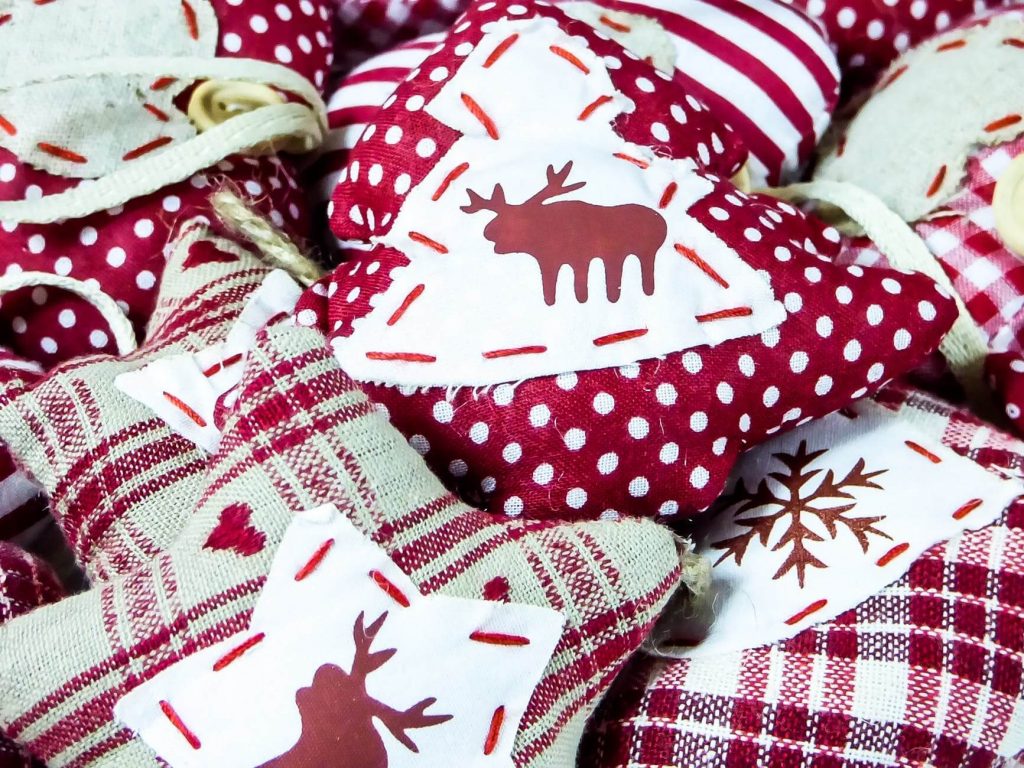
(444, 306)
(122, 250)
(928, 672)
(304, 435)
(121, 483)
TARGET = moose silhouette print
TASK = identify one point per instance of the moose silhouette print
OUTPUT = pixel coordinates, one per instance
(337, 713)
(573, 233)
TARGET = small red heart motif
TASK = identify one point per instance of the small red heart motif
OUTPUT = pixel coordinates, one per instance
(497, 590)
(234, 531)
(204, 252)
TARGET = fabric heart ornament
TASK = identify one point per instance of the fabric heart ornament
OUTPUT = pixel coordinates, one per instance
(927, 672)
(155, 123)
(717, 318)
(729, 56)
(957, 185)
(121, 482)
(304, 437)
(26, 583)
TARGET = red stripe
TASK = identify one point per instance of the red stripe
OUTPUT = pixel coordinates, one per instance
(358, 115)
(378, 75)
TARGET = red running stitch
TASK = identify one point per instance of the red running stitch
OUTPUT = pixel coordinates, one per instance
(499, 353)
(561, 52)
(185, 408)
(162, 82)
(314, 562)
(952, 45)
(616, 25)
(418, 237)
(7, 126)
(920, 449)
(667, 195)
(1003, 122)
(497, 53)
(589, 109)
(494, 732)
(724, 314)
(156, 112)
(937, 181)
(407, 357)
(485, 120)
(61, 152)
(614, 338)
(814, 607)
(634, 160)
(178, 723)
(498, 638)
(389, 588)
(225, 363)
(190, 19)
(414, 294)
(138, 152)
(443, 187)
(236, 653)
(967, 508)
(702, 265)
(892, 554)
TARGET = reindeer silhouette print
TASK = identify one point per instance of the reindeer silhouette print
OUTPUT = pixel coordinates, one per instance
(573, 233)
(337, 714)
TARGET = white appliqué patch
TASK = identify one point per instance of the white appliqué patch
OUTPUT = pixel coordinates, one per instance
(820, 519)
(553, 244)
(346, 663)
(184, 389)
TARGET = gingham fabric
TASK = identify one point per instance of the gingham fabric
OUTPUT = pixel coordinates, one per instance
(120, 481)
(123, 249)
(304, 435)
(928, 672)
(25, 584)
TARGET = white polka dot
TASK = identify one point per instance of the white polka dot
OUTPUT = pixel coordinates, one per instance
(698, 421)
(232, 42)
(724, 392)
(852, 350)
(7, 172)
(875, 314)
(403, 183)
(438, 74)
(19, 325)
(668, 508)
(791, 414)
(812, 274)
(1017, 366)
(503, 394)
(719, 214)
(479, 432)
(145, 279)
(284, 13)
(443, 412)
(608, 463)
(823, 385)
(463, 49)
(488, 484)
(638, 428)
(824, 326)
(304, 43)
(927, 310)
(88, 236)
(575, 439)
(415, 103)
(48, 345)
(393, 135)
(604, 403)
(678, 114)
(426, 147)
(517, 10)
(666, 394)
(752, 234)
(919, 8)
(782, 253)
(98, 338)
(67, 318)
(543, 474)
(645, 85)
(846, 17)
(566, 381)
(306, 317)
(699, 477)
(891, 286)
(36, 244)
(540, 415)
(875, 372)
(62, 266)
(612, 63)
(638, 487)
(692, 362)
(659, 131)
(901, 340)
(746, 365)
(258, 24)
(771, 396)
(513, 506)
(844, 295)
(375, 174)
(458, 468)
(143, 228)
(798, 362)
(630, 371)
(116, 256)
(576, 498)
(770, 338)
(793, 302)
(283, 54)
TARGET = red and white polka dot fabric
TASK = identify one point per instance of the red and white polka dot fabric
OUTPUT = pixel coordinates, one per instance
(868, 35)
(120, 251)
(652, 436)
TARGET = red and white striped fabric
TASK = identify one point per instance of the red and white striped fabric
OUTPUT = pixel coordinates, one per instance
(762, 66)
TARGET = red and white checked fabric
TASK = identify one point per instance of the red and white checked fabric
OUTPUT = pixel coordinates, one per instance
(121, 483)
(22, 504)
(26, 583)
(868, 35)
(304, 435)
(123, 249)
(929, 672)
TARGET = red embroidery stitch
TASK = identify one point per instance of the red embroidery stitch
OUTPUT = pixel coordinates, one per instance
(185, 408)
(892, 554)
(1016, 42)
(667, 195)
(237, 653)
(896, 75)
(314, 562)
(427, 241)
(61, 152)
(937, 181)
(967, 508)
(484, 119)
(8, 126)
(497, 638)
(4, 18)
(389, 588)
(724, 314)
(922, 451)
(156, 112)
(614, 338)
(589, 109)
(494, 732)
(1003, 122)
(634, 160)
(812, 608)
(414, 294)
(147, 148)
(455, 173)
(950, 46)
(616, 25)
(702, 265)
(225, 363)
(407, 357)
(162, 82)
(176, 721)
(190, 19)
(498, 353)
(561, 52)
(503, 46)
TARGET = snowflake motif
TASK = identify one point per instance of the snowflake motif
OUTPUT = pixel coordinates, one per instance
(795, 507)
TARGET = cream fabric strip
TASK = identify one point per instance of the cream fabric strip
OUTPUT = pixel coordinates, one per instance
(964, 347)
(120, 325)
(261, 127)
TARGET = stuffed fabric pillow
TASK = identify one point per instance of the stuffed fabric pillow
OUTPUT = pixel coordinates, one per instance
(928, 672)
(460, 291)
(121, 251)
